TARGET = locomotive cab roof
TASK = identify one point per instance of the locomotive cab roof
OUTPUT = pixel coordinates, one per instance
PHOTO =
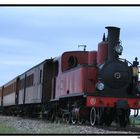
(72, 59)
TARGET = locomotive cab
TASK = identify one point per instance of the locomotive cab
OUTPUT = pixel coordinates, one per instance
(77, 74)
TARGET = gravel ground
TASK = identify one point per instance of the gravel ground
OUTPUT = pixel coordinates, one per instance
(29, 126)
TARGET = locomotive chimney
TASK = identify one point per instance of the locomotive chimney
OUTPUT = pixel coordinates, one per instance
(113, 41)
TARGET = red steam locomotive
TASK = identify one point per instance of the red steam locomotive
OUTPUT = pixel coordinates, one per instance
(78, 86)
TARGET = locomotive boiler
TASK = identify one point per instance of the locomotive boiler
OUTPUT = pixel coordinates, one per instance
(78, 86)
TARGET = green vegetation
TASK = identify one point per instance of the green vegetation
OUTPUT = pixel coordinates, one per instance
(135, 120)
(5, 129)
(52, 128)
(49, 129)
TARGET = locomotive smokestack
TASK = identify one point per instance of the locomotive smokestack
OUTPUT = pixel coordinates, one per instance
(113, 41)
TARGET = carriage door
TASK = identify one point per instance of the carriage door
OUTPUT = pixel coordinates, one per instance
(17, 91)
(47, 80)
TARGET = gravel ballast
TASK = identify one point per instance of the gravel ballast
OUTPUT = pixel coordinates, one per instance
(32, 126)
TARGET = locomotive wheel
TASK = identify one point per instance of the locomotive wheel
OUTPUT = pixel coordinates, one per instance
(108, 120)
(73, 119)
(66, 118)
(123, 118)
(109, 116)
(99, 116)
(81, 120)
(52, 117)
(92, 116)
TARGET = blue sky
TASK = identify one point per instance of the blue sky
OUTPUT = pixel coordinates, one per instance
(29, 35)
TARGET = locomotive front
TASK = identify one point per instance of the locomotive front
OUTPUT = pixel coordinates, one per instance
(118, 84)
(117, 77)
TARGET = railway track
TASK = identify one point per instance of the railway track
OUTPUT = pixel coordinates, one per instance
(113, 127)
(38, 126)
(119, 129)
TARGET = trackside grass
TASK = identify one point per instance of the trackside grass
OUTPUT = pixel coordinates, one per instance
(4, 129)
(18, 125)
(135, 121)
(49, 129)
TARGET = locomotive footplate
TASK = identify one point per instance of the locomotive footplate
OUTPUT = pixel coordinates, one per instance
(112, 102)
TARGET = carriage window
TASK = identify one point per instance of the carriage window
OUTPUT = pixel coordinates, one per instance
(29, 80)
(10, 88)
(40, 76)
